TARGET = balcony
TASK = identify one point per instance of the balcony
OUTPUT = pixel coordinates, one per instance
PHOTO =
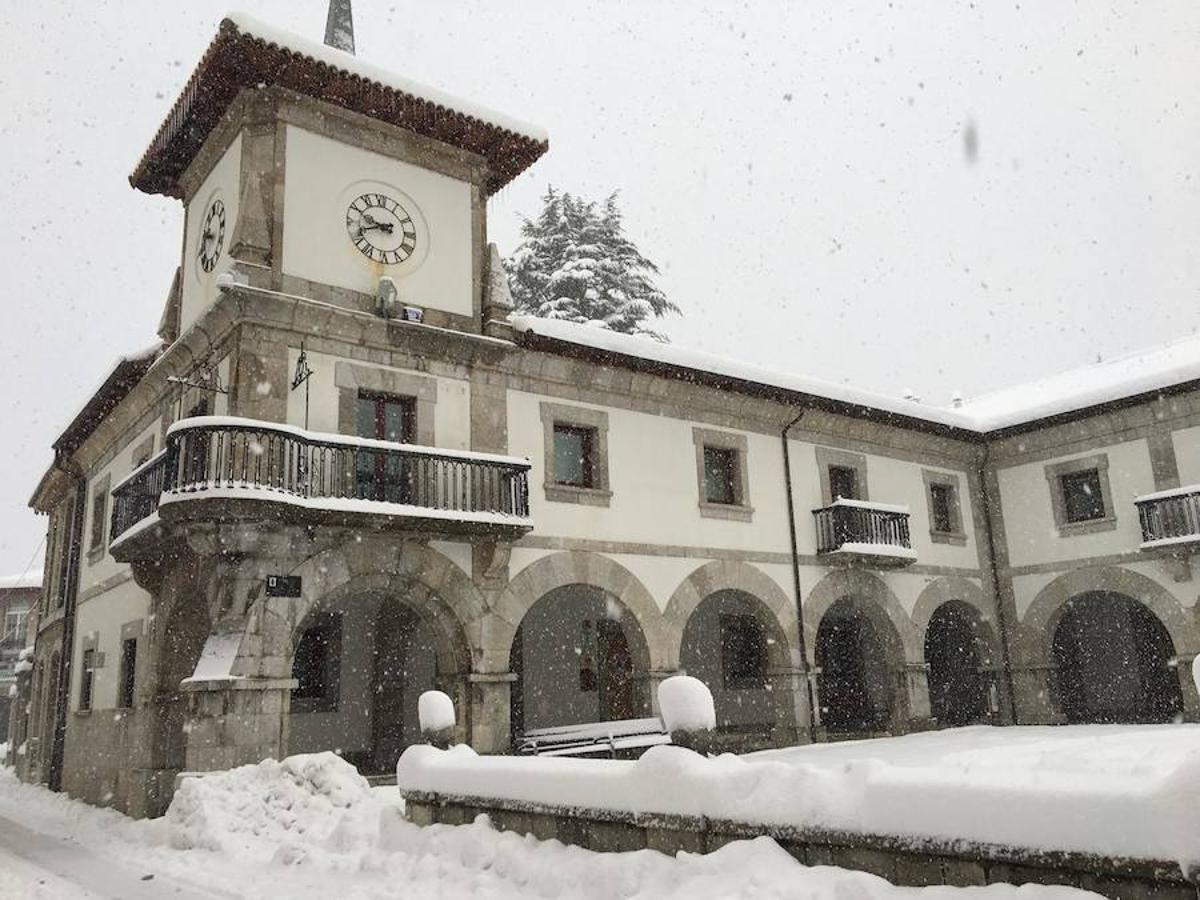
(226, 469)
(872, 533)
(1170, 518)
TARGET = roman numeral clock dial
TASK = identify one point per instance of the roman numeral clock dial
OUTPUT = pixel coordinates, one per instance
(212, 236)
(381, 229)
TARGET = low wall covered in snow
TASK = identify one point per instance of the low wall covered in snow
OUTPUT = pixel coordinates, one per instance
(912, 825)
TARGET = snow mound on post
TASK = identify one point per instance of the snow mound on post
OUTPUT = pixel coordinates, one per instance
(436, 712)
(301, 800)
(686, 704)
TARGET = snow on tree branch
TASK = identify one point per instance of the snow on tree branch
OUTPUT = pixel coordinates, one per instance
(576, 263)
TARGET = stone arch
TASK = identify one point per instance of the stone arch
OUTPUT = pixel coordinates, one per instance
(960, 664)
(565, 568)
(1044, 613)
(874, 599)
(732, 575)
(952, 588)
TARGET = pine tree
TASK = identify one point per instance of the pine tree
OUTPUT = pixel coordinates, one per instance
(576, 263)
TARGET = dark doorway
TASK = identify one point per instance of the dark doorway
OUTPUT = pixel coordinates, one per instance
(382, 474)
(958, 688)
(855, 681)
(1114, 662)
(616, 672)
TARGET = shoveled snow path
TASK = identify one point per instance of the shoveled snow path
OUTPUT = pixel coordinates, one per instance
(64, 868)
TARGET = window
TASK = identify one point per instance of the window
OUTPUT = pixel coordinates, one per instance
(1080, 496)
(384, 475)
(843, 483)
(743, 652)
(576, 454)
(99, 511)
(87, 679)
(316, 666)
(945, 510)
(1083, 497)
(14, 626)
(574, 449)
(720, 475)
(128, 673)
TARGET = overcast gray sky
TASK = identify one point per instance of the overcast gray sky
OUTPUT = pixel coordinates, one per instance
(799, 171)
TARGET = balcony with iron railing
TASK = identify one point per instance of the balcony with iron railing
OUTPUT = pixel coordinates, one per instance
(873, 533)
(1170, 518)
(228, 469)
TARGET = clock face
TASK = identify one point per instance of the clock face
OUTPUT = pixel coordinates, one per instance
(381, 228)
(212, 236)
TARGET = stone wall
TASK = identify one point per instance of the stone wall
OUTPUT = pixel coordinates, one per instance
(903, 861)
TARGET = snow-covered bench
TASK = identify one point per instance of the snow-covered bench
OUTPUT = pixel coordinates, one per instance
(625, 737)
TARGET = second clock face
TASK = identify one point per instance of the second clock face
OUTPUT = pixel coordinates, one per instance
(381, 228)
(212, 236)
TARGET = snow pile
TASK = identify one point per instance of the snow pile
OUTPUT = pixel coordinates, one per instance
(1113, 790)
(686, 704)
(1196, 671)
(286, 805)
(435, 710)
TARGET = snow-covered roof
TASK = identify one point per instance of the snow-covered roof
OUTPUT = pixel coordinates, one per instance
(31, 579)
(1142, 372)
(1073, 391)
(249, 53)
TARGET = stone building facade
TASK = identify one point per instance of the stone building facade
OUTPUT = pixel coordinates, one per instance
(347, 474)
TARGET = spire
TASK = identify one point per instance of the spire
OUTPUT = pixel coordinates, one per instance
(339, 26)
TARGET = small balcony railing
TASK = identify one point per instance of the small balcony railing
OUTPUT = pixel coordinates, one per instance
(231, 458)
(1170, 517)
(862, 529)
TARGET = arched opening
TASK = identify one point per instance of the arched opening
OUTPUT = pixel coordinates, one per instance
(577, 656)
(1114, 662)
(49, 715)
(730, 642)
(960, 691)
(858, 664)
(360, 664)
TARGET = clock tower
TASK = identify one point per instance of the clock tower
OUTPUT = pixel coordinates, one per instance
(306, 171)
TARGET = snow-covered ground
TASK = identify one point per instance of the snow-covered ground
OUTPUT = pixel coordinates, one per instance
(1112, 790)
(310, 827)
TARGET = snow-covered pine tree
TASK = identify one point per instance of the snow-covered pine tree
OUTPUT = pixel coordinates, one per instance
(576, 263)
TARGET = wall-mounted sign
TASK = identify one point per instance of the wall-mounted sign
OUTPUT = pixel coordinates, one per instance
(283, 585)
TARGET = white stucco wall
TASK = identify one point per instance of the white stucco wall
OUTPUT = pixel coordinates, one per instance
(1029, 516)
(325, 176)
(103, 616)
(1187, 454)
(199, 287)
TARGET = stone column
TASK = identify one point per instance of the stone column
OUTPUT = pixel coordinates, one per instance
(1187, 684)
(789, 691)
(915, 681)
(1034, 701)
(235, 721)
(490, 697)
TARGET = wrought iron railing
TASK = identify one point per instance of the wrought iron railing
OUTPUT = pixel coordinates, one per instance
(857, 522)
(1171, 517)
(232, 456)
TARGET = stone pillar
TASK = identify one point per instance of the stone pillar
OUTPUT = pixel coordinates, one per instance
(235, 721)
(1034, 701)
(1187, 684)
(789, 691)
(490, 697)
(915, 682)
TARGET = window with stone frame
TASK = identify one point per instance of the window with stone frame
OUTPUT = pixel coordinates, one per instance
(743, 652)
(721, 475)
(941, 507)
(1082, 495)
(14, 626)
(87, 679)
(127, 678)
(99, 517)
(317, 666)
(574, 455)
